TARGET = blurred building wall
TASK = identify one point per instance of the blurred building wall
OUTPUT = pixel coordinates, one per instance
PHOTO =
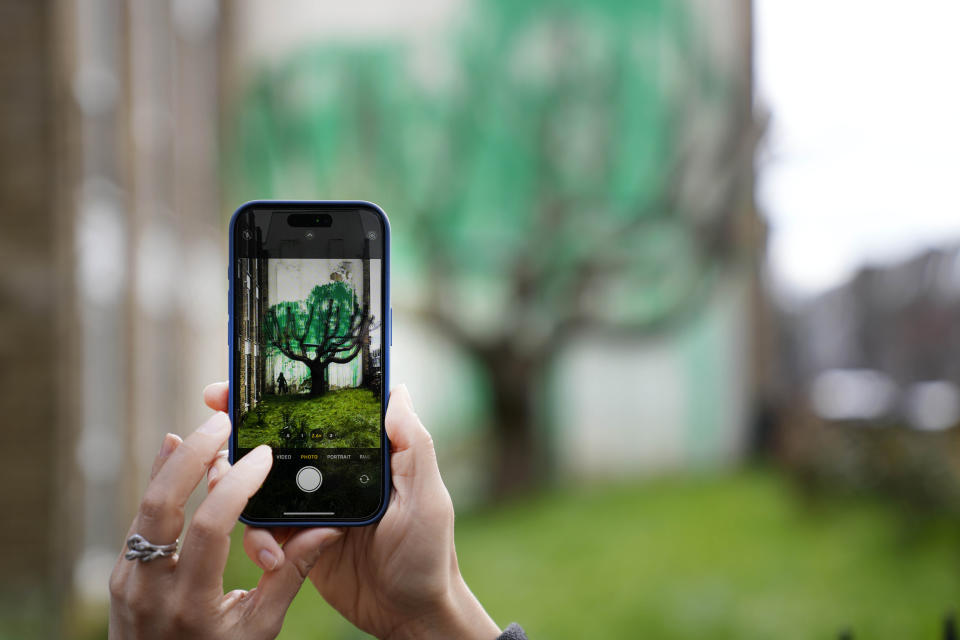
(37, 326)
(113, 283)
(682, 399)
(156, 193)
(873, 366)
(901, 319)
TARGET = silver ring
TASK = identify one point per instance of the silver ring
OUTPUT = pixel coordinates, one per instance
(145, 551)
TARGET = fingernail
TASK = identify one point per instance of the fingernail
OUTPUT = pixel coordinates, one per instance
(167, 446)
(268, 561)
(212, 385)
(215, 424)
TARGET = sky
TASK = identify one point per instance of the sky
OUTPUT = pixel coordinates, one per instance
(861, 164)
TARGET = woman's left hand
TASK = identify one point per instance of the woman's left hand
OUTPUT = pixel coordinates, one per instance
(181, 596)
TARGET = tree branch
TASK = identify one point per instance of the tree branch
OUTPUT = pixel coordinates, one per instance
(283, 347)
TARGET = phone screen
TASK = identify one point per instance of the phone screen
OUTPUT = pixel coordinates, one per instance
(309, 353)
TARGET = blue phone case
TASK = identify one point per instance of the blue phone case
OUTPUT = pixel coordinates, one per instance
(387, 483)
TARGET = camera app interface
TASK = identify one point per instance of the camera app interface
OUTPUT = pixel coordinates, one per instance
(309, 372)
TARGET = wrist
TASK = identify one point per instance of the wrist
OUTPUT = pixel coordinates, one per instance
(458, 615)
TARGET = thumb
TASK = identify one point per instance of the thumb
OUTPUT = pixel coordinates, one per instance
(413, 459)
(403, 425)
(277, 588)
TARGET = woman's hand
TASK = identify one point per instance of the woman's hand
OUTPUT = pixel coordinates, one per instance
(398, 578)
(181, 596)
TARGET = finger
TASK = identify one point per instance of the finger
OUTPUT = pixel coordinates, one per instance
(170, 442)
(413, 456)
(276, 589)
(204, 553)
(160, 518)
(233, 597)
(263, 547)
(217, 396)
(220, 466)
(282, 534)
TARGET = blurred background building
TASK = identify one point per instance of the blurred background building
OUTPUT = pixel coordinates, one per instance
(113, 277)
(661, 268)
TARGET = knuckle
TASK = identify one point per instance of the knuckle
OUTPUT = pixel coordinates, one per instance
(117, 585)
(442, 511)
(305, 564)
(204, 527)
(192, 453)
(427, 438)
(424, 438)
(183, 618)
(411, 421)
(156, 505)
(140, 602)
(183, 613)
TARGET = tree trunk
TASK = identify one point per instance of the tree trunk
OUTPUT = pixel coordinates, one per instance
(318, 378)
(519, 465)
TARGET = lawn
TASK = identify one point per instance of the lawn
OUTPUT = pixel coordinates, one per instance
(338, 418)
(739, 556)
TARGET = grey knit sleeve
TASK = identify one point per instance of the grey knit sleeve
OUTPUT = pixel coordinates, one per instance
(513, 632)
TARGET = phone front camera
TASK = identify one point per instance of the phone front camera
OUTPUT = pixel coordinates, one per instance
(371, 235)
(246, 234)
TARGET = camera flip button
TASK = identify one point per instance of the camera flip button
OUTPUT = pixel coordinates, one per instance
(309, 479)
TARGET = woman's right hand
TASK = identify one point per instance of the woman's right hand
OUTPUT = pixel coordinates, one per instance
(181, 595)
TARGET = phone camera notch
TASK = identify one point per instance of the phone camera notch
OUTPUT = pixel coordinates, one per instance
(310, 220)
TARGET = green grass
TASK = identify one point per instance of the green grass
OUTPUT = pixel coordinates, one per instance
(739, 556)
(352, 415)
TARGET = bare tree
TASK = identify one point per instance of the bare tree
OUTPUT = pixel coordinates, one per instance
(580, 168)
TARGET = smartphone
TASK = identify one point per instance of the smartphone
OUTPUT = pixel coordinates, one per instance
(309, 336)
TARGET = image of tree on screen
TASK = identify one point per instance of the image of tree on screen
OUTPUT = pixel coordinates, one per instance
(327, 328)
(320, 357)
